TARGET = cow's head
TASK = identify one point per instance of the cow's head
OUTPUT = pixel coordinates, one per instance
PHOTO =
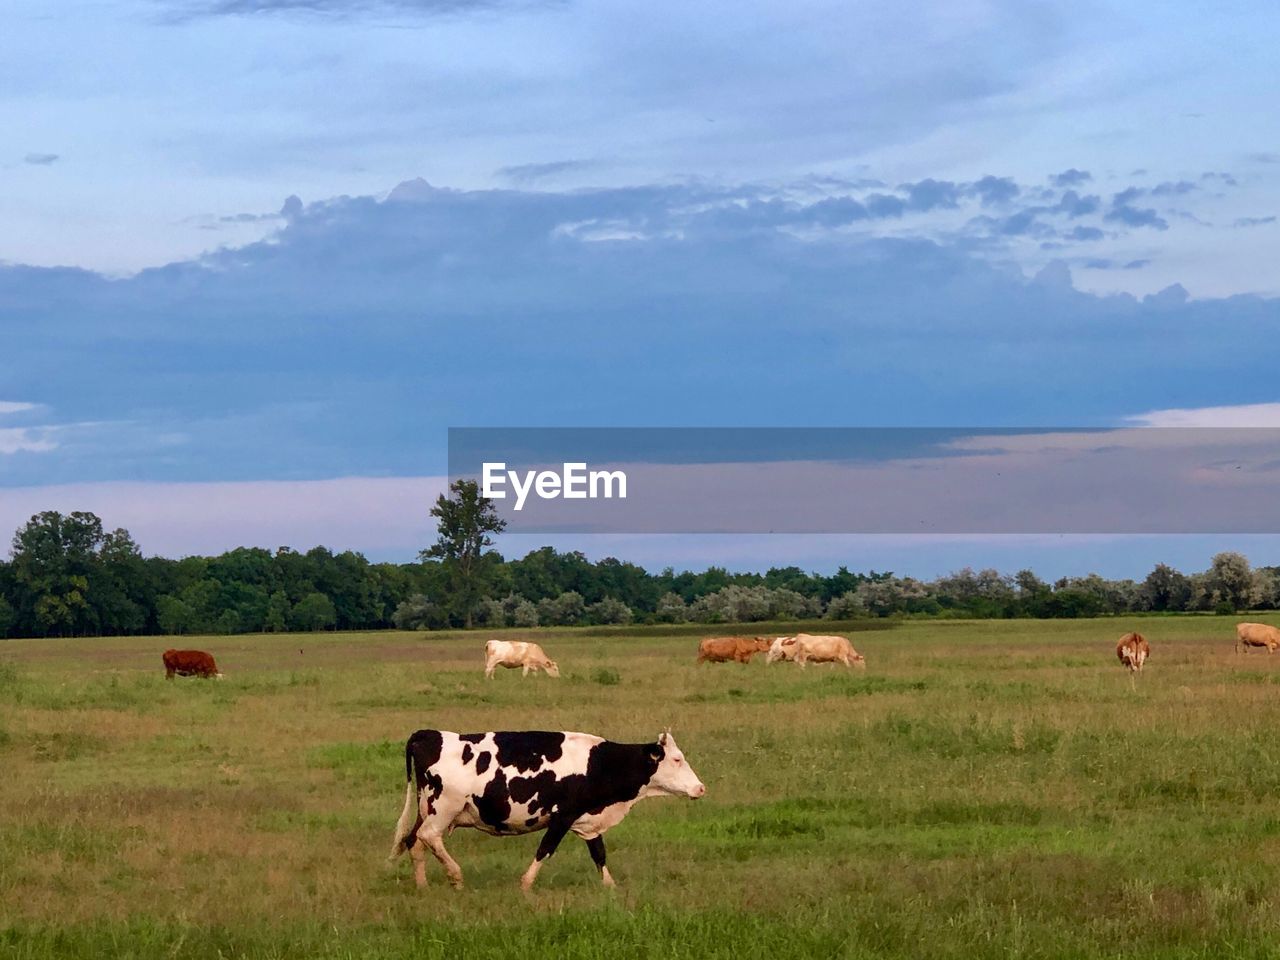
(674, 776)
(552, 669)
(762, 643)
(775, 649)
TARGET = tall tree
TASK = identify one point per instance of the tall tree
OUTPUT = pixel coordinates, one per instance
(464, 522)
(1230, 580)
(53, 559)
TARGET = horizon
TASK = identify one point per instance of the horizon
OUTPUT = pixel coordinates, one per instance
(255, 313)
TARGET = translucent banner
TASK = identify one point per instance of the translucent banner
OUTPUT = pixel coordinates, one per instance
(875, 480)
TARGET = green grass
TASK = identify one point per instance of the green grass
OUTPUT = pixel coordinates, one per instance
(983, 789)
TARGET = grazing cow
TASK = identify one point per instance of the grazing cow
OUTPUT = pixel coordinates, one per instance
(826, 650)
(1257, 635)
(189, 663)
(1133, 651)
(517, 653)
(724, 649)
(512, 783)
(782, 648)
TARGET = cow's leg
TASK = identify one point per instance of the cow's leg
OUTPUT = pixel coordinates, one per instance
(488, 669)
(550, 840)
(524, 672)
(432, 839)
(596, 846)
(451, 868)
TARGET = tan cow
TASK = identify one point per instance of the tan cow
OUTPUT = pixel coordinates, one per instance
(822, 649)
(724, 649)
(782, 648)
(1257, 635)
(517, 653)
(1133, 651)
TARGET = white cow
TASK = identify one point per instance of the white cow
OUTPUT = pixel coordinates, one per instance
(782, 648)
(517, 653)
(821, 649)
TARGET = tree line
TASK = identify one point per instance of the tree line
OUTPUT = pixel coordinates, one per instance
(69, 576)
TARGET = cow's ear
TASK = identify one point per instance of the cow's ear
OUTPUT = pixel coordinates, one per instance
(662, 737)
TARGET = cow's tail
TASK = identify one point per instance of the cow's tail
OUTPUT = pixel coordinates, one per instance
(409, 815)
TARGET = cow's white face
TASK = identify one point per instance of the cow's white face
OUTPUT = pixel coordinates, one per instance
(552, 669)
(775, 650)
(674, 775)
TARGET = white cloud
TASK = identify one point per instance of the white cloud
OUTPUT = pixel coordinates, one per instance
(1242, 415)
(13, 406)
(22, 440)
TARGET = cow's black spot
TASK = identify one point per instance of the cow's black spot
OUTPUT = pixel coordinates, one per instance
(531, 822)
(536, 792)
(472, 737)
(466, 753)
(494, 806)
(617, 772)
(412, 838)
(482, 761)
(528, 750)
(421, 754)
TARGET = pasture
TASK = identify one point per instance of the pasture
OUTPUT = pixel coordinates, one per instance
(982, 789)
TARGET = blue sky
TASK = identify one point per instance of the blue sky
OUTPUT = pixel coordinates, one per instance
(250, 242)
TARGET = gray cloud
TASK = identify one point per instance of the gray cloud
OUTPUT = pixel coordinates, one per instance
(1136, 217)
(1074, 205)
(303, 355)
(930, 194)
(1085, 234)
(1071, 178)
(1173, 189)
(1106, 263)
(1254, 221)
(529, 173)
(994, 191)
(41, 159)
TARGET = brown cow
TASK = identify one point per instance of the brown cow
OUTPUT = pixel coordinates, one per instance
(189, 663)
(724, 649)
(1257, 635)
(1133, 650)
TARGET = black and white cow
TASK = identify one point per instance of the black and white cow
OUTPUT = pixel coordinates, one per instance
(520, 782)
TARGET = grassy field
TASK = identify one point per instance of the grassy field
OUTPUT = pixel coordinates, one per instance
(983, 789)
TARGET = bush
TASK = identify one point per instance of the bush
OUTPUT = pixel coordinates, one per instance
(608, 611)
(525, 614)
(672, 609)
(606, 677)
(562, 611)
(491, 613)
(418, 613)
(847, 606)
